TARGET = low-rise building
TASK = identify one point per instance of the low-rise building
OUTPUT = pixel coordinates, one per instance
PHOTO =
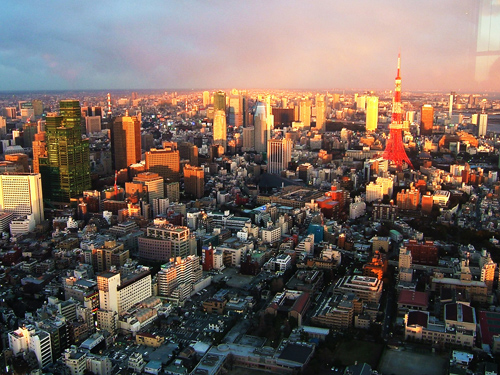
(459, 327)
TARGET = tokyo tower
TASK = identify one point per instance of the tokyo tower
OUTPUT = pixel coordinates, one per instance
(394, 149)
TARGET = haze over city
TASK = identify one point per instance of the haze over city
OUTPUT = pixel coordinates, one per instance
(226, 187)
(254, 44)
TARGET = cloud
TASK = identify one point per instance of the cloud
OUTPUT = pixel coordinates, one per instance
(320, 44)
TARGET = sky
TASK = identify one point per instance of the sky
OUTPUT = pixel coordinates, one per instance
(253, 44)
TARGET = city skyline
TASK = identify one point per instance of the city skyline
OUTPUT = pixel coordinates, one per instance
(294, 45)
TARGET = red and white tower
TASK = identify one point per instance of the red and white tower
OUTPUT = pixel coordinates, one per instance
(109, 105)
(394, 148)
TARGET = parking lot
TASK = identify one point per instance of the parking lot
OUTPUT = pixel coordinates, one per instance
(401, 362)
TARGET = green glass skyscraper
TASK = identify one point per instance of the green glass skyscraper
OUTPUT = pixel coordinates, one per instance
(66, 169)
(220, 101)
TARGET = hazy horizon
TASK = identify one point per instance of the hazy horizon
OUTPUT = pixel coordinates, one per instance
(316, 45)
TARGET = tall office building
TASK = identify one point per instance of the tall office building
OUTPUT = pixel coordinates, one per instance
(261, 129)
(320, 113)
(194, 181)
(371, 113)
(279, 154)
(37, 107)
(165, 162)
(154, 184)
(164, 241)
(483, 125)
(93, 124)
(305, 112)
(220, 129)
(29, 338)
(26, 110)
(111, 254)
(3, 125)
(189, 151)
(450, 106)
(10, 112)
(21, 194)
(488, 267)
(220, 101)
(66, 169)
(426, 119)
(361, 103)
(126, 141)
(39, 150)
(235, 116)
(118, 294)
(172, 191)
(176, 278)
(248, 138)
(29, 131)
(92, 111)
(206, 99)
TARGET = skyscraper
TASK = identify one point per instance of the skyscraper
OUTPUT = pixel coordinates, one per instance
(305, 112)
(189, 151)
(39, 150)
(21, 194)
(220, 101)
(10, 112)
(320, 113)
(262, 132)
(126, 141)
(194, 181)
(206, 99)
(483, 125)
(154, 184)
(3, 125)
(248, 138)
(93, 124)
(66, 169)
(235, 116)
(165, 162)
(426, 119)
(220, 129)
(371, 113)
(279, 154)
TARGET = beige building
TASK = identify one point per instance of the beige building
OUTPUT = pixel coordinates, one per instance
(459, 327)
(338, 311)
(118, 294)
(367, 288)
(21, 194)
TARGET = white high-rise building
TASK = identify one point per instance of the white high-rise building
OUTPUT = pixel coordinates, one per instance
(261, 129)
(75, 360)
(279, 154)
(374, 192)
(361, 103)
(31, 339)
(320, 113)
(117, 294)
(177, 277)
(21, 194)
(483, 125)
(220, 129)
(160, 206)
(206, 99)
(371, 113)
(154, 183)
